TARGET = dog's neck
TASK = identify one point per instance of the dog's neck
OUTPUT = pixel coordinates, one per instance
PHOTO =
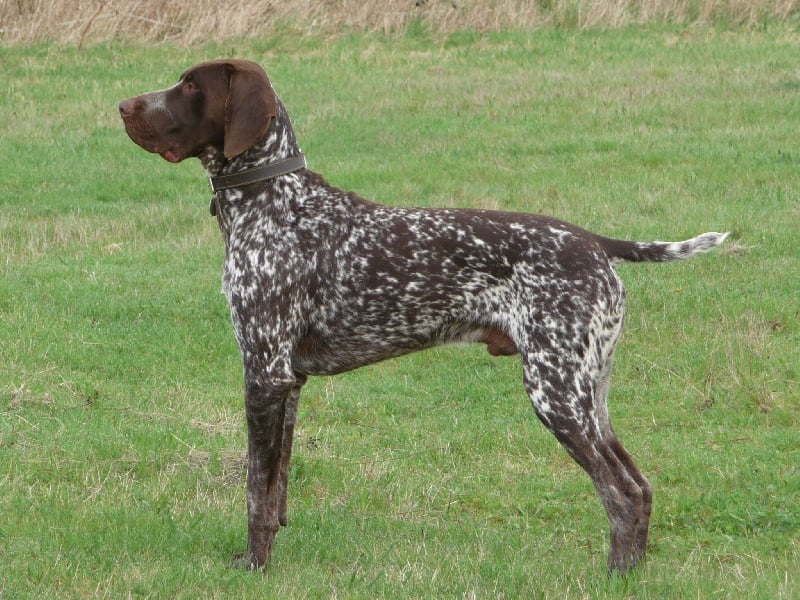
(278, 143)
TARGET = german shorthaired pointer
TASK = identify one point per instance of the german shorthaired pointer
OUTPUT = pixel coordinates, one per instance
(321, 281)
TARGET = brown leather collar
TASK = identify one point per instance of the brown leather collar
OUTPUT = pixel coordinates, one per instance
(263, 173)
(268, 171)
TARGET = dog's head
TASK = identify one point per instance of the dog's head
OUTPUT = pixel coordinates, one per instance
(224, 104)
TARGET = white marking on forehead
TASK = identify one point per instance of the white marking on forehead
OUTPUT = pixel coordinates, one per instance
(158, 99)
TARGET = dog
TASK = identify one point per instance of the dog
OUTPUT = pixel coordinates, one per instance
(321, 281)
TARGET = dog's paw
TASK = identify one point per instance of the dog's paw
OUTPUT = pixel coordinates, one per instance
(244, 561)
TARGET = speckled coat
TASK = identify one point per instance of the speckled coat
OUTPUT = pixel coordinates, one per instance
(321, 281)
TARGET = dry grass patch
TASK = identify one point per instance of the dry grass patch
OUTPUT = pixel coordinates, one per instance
(196, 21)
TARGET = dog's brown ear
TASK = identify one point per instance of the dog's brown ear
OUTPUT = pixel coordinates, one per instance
(249, 108)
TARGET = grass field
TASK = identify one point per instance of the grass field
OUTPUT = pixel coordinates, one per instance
(121, 422)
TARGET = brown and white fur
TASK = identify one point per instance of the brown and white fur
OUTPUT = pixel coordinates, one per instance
(321, 281)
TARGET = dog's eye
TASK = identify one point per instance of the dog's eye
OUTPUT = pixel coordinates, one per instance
(189, 86)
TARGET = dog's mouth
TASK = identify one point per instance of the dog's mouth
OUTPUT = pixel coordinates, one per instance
(143, 134)
(170, 155)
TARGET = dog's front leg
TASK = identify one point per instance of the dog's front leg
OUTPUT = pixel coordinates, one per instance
(267, 393)
(289, 420)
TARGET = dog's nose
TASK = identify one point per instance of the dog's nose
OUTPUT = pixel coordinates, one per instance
(126, 107)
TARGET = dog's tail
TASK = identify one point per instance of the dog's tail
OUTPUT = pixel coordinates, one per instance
(619, 250)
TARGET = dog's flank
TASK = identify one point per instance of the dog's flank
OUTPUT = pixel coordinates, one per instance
(320, 281)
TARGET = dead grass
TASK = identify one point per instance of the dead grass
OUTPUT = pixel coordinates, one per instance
(192, 21)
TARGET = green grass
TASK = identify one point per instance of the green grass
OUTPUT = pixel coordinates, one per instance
(121, 425)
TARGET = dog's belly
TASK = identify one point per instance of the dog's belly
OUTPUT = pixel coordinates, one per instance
(318, 354)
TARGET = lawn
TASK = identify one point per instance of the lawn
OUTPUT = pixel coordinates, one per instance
(121, 410)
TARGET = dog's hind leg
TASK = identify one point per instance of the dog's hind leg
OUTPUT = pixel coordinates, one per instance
(568, 389)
